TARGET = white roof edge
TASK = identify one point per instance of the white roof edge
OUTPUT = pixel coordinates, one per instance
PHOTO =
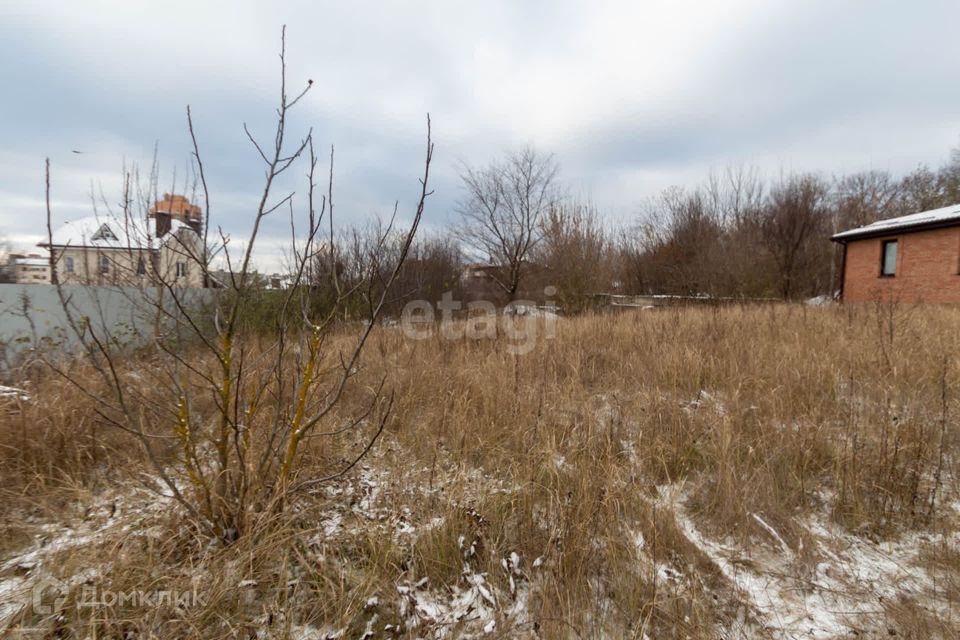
(933, 216)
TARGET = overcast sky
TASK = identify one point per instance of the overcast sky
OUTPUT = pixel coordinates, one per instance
(630, 96)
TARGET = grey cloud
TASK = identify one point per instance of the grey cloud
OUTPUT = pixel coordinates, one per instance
(628, 97)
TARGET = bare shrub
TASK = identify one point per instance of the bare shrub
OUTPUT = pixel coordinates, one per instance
(223, 419)
(574, 255)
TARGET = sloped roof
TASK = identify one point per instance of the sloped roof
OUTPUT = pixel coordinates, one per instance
(107, 232)
(945, 216)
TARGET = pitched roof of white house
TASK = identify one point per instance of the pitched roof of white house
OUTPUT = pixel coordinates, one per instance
(945, 216)
(107, 232)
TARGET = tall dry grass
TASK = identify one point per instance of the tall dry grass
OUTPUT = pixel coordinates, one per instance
(558, 456)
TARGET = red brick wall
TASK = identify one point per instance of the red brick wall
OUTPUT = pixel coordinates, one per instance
(927, 268)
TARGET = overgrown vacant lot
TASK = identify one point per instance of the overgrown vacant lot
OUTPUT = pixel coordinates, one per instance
(784, 472)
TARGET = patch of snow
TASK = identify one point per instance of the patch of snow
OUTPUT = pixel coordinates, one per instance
(368, 631)
(705, 399)
(847, 587)
(12, 598)
(471, 607)
(13, 392)
(102, 519)
(403, 528)
(559, 461)
(819, 301)
(332, 524)
(519, 309)
(773, 532)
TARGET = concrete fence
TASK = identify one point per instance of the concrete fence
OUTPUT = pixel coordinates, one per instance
(32, 315)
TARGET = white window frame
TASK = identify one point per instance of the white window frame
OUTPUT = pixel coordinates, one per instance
(892, 271)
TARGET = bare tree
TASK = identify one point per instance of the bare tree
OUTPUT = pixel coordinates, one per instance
(574, 254)
(679, 239)
(948, 179)
(921, 190)
(222, 415)
(736, 199)
(795, 230)
(432, 267)
(734, 195)
(503, 212)
(862, 198)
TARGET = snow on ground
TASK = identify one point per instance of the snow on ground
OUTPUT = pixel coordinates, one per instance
(846, 590)
(20, 573)
(472, 608)
(29, 569)
(13, 392)
(819, 301)
(845, 586)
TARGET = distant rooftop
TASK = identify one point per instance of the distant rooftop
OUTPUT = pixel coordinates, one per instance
(945, 216)
(33, 262)
(179, 207)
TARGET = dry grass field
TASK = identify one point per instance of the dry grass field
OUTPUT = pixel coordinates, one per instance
(737, 472)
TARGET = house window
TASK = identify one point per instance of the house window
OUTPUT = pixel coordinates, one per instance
(888, 259)
(68, 263)
(104, 264)
(141, 267)
(181, 269)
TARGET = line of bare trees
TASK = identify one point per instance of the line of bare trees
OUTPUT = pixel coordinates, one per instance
(736, 235)
(739, 235)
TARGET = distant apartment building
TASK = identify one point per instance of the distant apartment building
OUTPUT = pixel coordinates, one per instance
(164, 248)
(31, 268)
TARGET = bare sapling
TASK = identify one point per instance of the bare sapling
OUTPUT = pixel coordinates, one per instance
(222, 415)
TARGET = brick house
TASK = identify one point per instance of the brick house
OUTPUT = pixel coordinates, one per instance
(914, 258)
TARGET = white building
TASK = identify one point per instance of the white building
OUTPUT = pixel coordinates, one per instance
(104, 250)
(29, 269)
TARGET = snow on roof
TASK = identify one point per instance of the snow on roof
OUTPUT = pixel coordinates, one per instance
(33, 262)
(923, 218)
(108, 232)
